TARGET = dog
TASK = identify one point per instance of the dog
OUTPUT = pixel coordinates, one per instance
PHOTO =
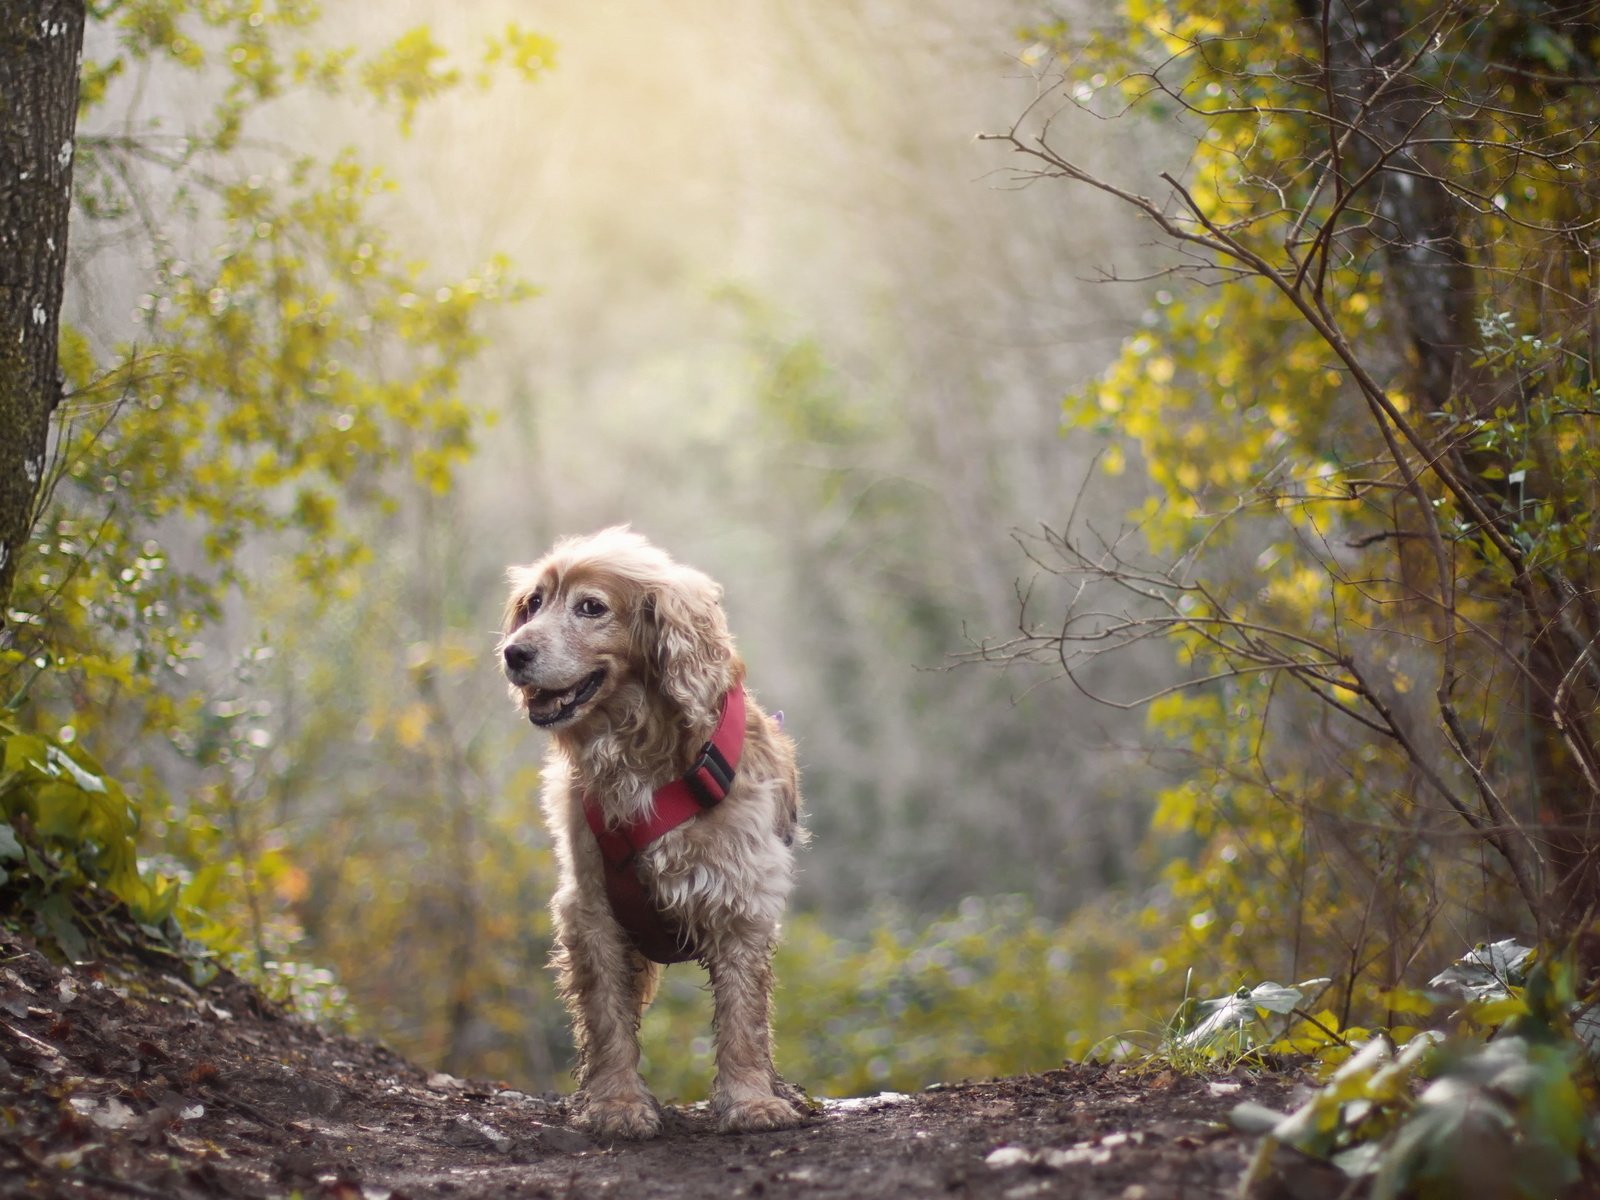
(674, 804)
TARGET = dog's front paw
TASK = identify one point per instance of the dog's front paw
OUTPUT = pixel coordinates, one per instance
(757, 1115)
(631, 1117)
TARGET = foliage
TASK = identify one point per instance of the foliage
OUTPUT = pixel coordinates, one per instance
(78, 815)
(295, 371)
(1487, 972)
(1507, 1115)
(292, 377)
(68, 850)
(71, 875)
(1229, 1023)
(1370, 450)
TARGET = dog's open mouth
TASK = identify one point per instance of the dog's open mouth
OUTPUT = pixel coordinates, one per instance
(547, 707)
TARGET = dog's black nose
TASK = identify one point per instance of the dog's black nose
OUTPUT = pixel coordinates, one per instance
(518, 656)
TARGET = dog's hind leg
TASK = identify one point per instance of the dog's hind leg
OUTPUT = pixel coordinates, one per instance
(606, 984)
(744, 1096)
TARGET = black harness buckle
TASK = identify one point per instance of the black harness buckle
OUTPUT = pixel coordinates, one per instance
(710, 778)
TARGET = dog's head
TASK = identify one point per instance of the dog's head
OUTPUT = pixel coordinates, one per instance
(602, 622)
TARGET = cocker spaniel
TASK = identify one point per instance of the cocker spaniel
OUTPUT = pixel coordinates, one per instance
(674, 804)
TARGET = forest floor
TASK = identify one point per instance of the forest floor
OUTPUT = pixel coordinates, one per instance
(117, 1083)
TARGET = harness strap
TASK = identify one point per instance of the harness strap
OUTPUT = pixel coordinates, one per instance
(705, 785)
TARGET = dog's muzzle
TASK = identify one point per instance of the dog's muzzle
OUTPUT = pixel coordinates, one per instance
(548, 707)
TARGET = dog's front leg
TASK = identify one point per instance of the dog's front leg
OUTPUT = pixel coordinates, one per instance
(743, 1097)
(605, 984)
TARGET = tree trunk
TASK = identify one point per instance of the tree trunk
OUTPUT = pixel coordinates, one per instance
(41, 42)
(1415, 217)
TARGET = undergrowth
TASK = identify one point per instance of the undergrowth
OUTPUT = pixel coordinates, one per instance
(1497, 1095)
(71, 878)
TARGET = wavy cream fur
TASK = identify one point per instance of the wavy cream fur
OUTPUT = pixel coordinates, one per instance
(725, 876)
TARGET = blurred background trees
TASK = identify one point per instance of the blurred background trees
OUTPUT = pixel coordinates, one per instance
(364, 306)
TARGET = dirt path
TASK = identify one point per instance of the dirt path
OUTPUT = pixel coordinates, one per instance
(116, 1085)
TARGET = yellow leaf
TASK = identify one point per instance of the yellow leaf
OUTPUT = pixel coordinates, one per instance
(1407, 1000)
(411, 725)
(1497, 1012)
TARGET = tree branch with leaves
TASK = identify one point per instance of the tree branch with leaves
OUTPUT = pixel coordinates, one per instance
(1371, 477)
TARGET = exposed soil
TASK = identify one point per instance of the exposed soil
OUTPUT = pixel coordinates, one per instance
(116, 1084)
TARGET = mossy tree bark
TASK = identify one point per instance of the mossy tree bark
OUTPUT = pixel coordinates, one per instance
(41, 43)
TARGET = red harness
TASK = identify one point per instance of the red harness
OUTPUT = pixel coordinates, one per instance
(704, 786)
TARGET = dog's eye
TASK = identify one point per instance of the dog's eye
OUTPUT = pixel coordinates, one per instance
(531, 605)
(590, 607)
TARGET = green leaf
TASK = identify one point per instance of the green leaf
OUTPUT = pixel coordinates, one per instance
(27, 755)
(1456, 1134)
(61, 921)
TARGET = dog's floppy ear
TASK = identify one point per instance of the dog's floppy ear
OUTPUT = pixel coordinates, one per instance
(685, 641)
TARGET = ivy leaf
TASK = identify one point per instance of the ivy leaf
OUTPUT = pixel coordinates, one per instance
(1487, 972)
(1460, 1138)
(1276, 998)
(61, 922)
(1229, 1015)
